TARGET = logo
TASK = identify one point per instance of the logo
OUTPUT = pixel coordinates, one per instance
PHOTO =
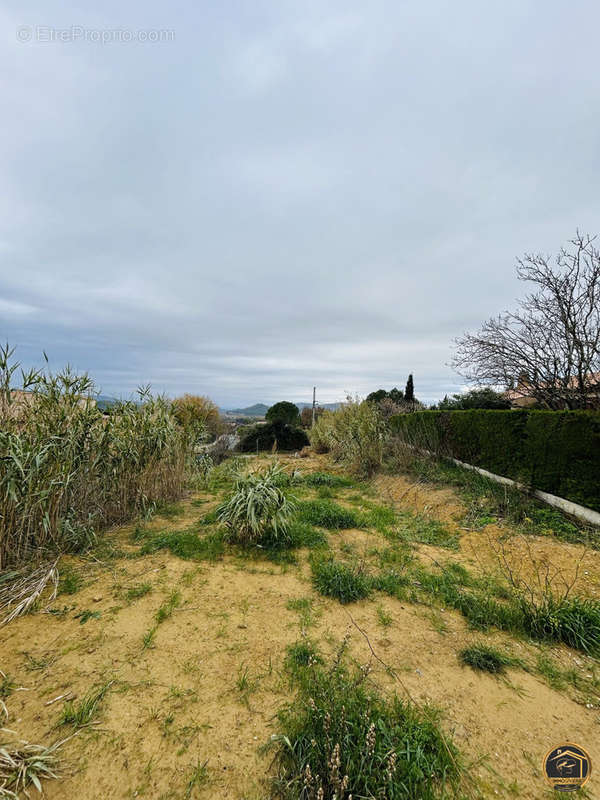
(567, 767)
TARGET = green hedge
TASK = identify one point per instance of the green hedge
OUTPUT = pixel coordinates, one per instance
(555, 451)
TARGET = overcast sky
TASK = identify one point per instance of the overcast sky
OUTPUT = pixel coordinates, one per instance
(281, 194)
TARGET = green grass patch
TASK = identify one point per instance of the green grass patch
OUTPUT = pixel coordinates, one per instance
(345, 582)
(168, 607)
(340, 737)
(69, 581)
(486, 658)
(327, 514)
(187, 544)
(318, 479)
(85, 710)
(137, 591)
(424, 530)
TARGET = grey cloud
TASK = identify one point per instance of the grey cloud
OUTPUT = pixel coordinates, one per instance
(286, 194)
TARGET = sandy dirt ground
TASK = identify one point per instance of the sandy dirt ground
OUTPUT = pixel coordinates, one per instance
(207, 690)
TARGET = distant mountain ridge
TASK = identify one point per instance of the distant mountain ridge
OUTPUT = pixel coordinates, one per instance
(260, 409)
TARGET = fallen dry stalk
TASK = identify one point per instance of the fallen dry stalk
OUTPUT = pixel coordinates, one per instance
(22, 763)
(20, 590)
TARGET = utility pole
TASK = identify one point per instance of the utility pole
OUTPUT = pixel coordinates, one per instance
(314, 403)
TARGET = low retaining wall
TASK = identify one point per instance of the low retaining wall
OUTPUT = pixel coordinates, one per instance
(573, 509)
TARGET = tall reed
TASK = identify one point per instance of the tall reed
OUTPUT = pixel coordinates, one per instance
(67, 469)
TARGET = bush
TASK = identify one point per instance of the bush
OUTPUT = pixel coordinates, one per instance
(284, 412)
(555, 451)
(354, 435)
(341, 739)
(257, 509)
(264, 437)
(199, 414)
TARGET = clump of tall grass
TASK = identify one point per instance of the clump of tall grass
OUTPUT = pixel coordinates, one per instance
(345, 582)
(327, 514)
(68, 469)
(340, 738)
(258, 508)
(486, 658)
(354, 435)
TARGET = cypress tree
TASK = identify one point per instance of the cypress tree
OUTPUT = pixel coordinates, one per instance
(409, 392)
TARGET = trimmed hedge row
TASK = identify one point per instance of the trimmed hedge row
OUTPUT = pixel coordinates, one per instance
(554, 451)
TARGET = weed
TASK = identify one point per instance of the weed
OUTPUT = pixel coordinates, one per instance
(186, 544)
(392, 582)
(86, 614)
(167, 608)
(424, 530)
(383, 617)
(486, 658)
(140, 590)
(304, 606)
(347, 583)
(302, 654)
(324, 492)
(70, 581)
(148, 637)
(169, 510)
(318, 479)
(341, 738)
(197, 779)
(83, 712)
(327, 514)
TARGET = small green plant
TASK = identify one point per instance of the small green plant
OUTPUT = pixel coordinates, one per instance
(167, 608)
(327, 514)
(86, 614)
(484, 657)
(302, 654)
(140, 590)
(83, 712)
(383, 617)
(70, 581)
(346, 583)
(341, 738)
(258, 508)
(198, 778)
(148, 637)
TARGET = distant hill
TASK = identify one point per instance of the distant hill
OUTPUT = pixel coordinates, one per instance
(328, 406)
(260, 409)
(257, 410)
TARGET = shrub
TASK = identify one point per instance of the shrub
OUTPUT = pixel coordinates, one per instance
(343, 582)
(265, 437)
(198, 414)
(354, 435)
(340, 738)
(284, 412)
(258, 508)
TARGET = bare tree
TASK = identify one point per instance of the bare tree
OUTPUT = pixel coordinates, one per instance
(549, 349)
